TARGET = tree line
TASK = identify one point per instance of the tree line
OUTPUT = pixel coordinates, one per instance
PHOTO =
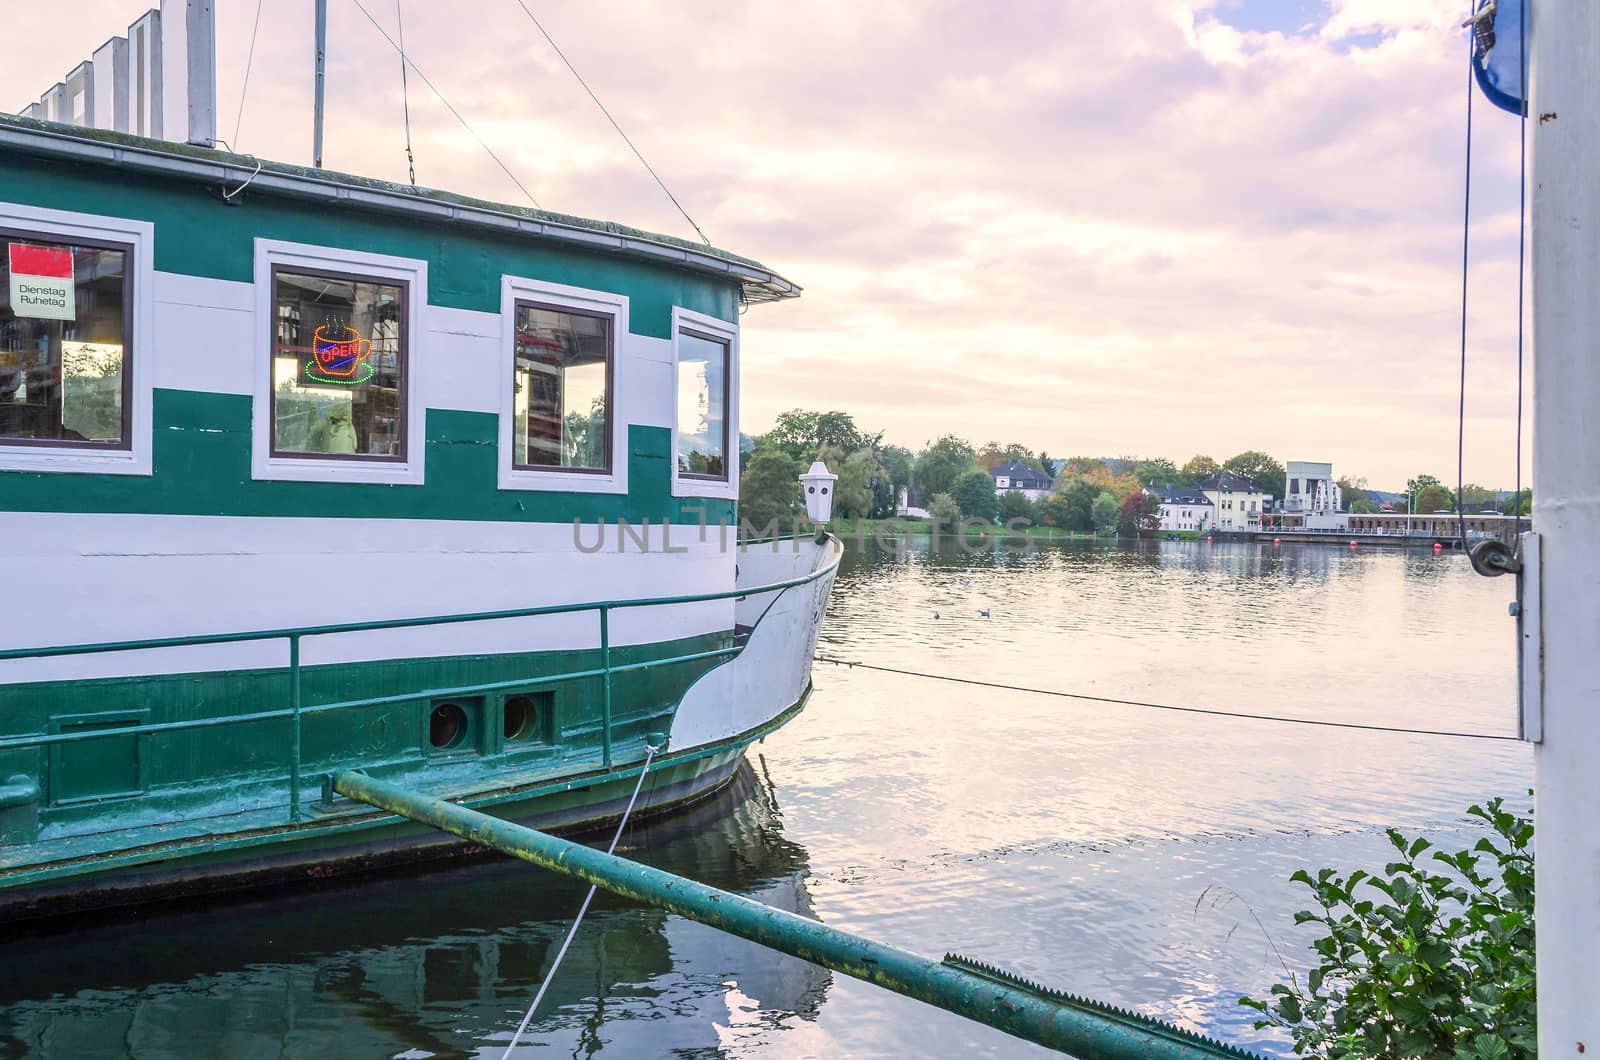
(951, 476)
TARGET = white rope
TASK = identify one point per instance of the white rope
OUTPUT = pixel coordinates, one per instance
(549, 977)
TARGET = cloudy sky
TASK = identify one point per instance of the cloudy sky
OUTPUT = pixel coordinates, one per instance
(1155, 227)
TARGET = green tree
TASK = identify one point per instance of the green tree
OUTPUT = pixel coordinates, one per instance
(1362, 505)
(1354, 491)
(802, 433)
(941, 463)
(1106, 512)
(1158, 471)
(974, 492)
(1047, 464)
(1513, 503)
(993, 454)
(1420, 483)
(1432, 957)
(769, 490)
(1083, 467)
(853, 492)
(1435, 499)
(897, 461)
(944, 510)
(1014, 504)
(1476, 498)
(1198, 467)
(1259, 468)
(1074, 504)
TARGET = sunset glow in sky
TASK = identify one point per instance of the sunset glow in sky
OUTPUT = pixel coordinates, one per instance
(1154, 228)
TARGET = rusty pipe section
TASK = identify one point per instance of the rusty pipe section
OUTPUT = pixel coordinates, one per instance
(1085, 1029)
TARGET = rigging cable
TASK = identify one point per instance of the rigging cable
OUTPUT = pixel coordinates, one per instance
(540, 26)
(405, 94)
(249, 60)
(1285, 719)
(549, 977)
(1466, 230)
(404, 58)
(1522, 237)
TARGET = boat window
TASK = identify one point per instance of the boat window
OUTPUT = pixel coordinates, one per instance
(338, 366)
(65, 370)
(702, 440)
(561, 401)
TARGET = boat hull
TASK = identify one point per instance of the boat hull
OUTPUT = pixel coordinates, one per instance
(350, 839)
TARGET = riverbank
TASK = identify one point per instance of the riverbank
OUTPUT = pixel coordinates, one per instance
(971, 528)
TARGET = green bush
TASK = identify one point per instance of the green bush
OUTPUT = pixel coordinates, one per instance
(1434, 958)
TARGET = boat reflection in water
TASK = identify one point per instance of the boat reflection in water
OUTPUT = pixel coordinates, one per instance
(442, 963)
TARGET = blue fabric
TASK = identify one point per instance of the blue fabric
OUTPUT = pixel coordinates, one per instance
(1502, 72)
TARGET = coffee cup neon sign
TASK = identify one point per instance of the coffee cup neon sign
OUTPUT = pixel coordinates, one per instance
(339, 356)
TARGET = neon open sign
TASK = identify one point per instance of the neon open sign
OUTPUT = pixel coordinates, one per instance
(339, 356)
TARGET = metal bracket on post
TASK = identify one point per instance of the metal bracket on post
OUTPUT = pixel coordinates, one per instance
(1528, 609)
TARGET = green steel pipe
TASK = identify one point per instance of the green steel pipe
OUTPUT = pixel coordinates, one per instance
(1082, 1028)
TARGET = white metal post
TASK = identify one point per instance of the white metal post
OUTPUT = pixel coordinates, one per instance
(1564, 122)
(322, 48)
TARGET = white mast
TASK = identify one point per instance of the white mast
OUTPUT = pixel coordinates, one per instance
(1565, 122)
(322, 48)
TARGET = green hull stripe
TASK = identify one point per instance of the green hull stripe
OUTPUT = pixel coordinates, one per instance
(114, 783)
(262, 843)
(202, 467)
(200, 235)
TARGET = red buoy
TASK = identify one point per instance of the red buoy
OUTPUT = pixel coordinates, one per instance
(1352, 544)
(1275, 541)
(1438, 547)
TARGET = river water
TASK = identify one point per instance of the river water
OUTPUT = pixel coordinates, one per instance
(1132, 855)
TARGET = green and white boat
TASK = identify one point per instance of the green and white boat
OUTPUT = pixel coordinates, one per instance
(304, 472)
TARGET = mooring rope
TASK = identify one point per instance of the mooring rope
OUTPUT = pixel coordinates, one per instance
(1283, 718)
(549, 977)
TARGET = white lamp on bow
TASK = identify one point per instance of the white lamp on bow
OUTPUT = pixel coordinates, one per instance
(818, 484)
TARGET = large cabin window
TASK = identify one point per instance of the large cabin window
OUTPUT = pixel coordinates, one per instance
(561, 389)
(702, 436)
(65, 356)
(338, 366)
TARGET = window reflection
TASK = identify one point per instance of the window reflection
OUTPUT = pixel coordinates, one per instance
(63, 343)
(702, 406)
(561, 404)
(338, 366)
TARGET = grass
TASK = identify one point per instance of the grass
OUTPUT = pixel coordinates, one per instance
(924, 527)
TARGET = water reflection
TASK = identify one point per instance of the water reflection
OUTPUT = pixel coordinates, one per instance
(435, 964)
(1085, 844)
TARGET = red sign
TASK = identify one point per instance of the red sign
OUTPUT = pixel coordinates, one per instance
(41, 261)
(41, 282)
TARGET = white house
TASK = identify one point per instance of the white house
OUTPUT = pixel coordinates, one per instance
(1184, 508)
(1314, 495)
(1238, 502)
(1017, 477)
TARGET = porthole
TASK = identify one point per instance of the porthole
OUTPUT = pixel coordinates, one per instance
(526, 716)
(521, 717)
(447, 727)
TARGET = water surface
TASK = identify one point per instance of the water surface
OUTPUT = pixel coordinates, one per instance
(1137, 856)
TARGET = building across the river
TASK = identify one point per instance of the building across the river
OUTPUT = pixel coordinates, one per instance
(1184, 508)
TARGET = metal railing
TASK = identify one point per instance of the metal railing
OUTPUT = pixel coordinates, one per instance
(297, 710)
